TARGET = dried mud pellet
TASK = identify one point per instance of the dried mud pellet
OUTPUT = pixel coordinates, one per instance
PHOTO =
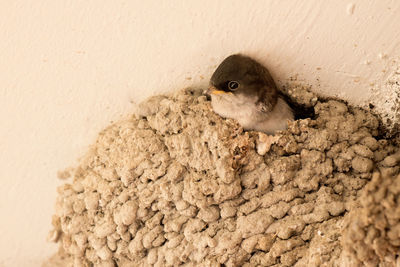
(209, 214)
(104, 253)
(363, 151)
(391, 161)
(92, 201)
(362, 165)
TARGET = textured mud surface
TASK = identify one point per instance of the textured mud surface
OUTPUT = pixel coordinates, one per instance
(180, 185)
(372, 233)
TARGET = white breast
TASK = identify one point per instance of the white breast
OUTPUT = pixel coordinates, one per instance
(249, 116)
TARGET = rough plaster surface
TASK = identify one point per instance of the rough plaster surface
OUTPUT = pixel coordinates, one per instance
(179, 185)
(68, 68)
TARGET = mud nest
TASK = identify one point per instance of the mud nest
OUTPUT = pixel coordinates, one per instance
(178, 185)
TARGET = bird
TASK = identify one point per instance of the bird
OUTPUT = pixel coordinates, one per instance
(242, 89)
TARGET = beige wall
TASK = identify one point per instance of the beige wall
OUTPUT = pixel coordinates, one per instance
(69, 67)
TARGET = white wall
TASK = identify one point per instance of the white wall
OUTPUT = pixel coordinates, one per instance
(69, 67)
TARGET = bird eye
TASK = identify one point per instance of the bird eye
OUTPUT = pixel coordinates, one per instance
(233, 85)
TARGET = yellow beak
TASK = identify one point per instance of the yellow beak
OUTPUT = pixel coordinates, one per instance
(214, 91)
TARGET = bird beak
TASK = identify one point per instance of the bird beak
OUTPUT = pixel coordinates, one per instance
(212, 90)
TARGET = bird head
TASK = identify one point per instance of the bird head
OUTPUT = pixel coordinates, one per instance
(241, 79)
